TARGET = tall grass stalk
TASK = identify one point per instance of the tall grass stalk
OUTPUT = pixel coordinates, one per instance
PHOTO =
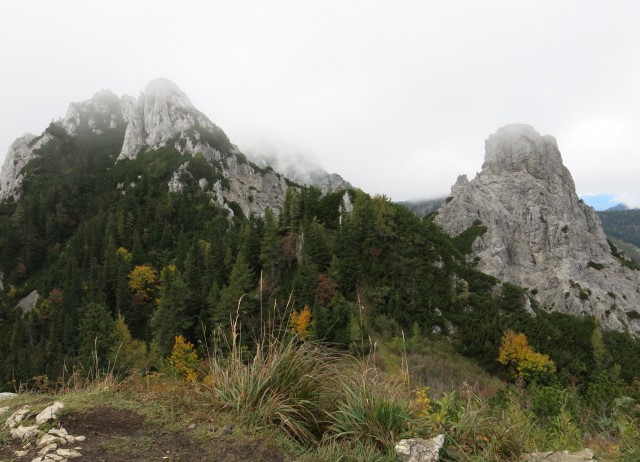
(369, 410)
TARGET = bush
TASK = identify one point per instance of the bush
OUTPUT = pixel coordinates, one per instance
(184, 360)
(283, 384)
(369, 411)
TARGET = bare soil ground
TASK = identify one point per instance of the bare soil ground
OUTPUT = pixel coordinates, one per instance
(115, 435)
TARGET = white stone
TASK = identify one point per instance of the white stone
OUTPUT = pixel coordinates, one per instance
(17, 417)
(54, 458)
(49, 413)
(419, 450)
(25, 433)
(61, 432)
(68, 453)
(28, 302)
(20, 453)
(50, 439)
(47, 449)
(7, 395)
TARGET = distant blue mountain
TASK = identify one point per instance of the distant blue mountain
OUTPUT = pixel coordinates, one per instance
(602, 202)
(618, 207)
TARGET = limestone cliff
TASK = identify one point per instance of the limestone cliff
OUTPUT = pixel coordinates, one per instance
(540, 235)
(18, 156)
(162, 117)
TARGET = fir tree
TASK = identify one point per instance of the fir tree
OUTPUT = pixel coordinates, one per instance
(95, 336)
(170, 318)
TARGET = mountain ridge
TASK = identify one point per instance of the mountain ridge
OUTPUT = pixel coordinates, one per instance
(164, 117)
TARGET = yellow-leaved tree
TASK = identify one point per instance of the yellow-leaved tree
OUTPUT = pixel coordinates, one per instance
(184, 360)
(301, 322)
(522, 362)
(142, 280)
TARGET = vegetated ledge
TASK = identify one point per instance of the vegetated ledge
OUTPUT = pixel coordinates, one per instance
(464, 240)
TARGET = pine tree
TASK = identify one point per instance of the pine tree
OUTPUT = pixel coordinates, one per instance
(270, 254)
(241, 281)
(127, 353)
(170, 318)
(95, 336)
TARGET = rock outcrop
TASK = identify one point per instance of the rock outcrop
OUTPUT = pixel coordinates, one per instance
(540, 235)
(18, 156)
(419, 450)
(161, 114)
(162, 117)
(102, 112)
(46, 445)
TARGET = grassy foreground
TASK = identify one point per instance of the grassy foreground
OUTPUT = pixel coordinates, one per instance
(291, 400)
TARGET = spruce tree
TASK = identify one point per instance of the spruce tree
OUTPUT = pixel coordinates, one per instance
(95, 336)
(241, 281)
(170, 318)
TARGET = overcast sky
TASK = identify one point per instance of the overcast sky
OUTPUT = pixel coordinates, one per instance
(396, 96)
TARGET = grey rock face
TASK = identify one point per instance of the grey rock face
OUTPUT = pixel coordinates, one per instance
(303, 171)
(18, 156)
(540, 234)
(28, 302)
(162, 113)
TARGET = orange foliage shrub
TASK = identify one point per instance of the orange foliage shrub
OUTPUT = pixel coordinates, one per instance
(301, 322)
(521, 361)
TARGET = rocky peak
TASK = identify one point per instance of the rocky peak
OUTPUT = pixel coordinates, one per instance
(520, 148)
(102, 112)
(540, 235)
(161, 114)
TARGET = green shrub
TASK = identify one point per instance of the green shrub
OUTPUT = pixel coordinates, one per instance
(594, 265)
(546, 402)
(283, 384)
(369, 411)
(464, 240)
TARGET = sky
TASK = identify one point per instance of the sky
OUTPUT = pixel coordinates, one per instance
(395, 96)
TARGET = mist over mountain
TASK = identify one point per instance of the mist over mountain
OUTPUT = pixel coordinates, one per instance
(302, 170)
(423, 207)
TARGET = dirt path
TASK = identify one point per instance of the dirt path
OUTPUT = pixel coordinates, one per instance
(114, 435)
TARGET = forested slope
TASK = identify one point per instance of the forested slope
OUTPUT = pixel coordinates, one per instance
(119, 259)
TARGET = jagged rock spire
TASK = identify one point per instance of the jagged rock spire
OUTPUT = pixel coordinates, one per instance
(540, 234)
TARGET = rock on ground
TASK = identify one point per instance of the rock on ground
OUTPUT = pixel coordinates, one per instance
(419, 450)
(49, 413)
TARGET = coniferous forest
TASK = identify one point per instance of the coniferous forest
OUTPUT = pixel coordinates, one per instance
(123, 267)
(167, 264)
